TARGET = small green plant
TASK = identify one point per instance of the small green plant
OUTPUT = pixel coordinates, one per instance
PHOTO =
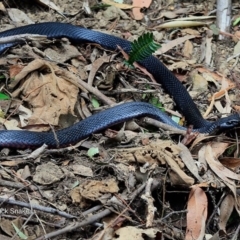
(155, 102)
(95, 102)
(142, 48)
(4, 96)
(236, 22)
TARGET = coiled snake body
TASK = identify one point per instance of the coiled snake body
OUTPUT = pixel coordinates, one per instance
(117, 114)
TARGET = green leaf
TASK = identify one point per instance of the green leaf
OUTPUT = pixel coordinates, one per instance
(176, 119)
(92, 151)
(3, 96)
(214, 29)
(95, 102)
(75, 184)
(236, 22)
(142, 48)
(2, 77)
(19, 233)
(155, 101)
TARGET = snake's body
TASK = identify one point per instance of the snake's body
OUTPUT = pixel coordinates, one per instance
(120, 113)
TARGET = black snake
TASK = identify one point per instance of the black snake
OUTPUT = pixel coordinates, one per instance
(114, 115)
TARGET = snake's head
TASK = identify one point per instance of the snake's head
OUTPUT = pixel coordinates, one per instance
(230, 123)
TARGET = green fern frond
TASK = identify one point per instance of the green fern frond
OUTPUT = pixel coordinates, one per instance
(142, 48)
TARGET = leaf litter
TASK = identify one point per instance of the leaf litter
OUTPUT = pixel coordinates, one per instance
(151, 186)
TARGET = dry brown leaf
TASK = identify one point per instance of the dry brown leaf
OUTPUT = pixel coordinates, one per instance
(190, 31)
(170, 45)
(82, 170)
(226, 209)
(183, 177)
(222, 172)
(48, 173)
(200, 138)
(226, 86)
(134, 233)
(167, 14)
(218, 148)
(19, 16)
(2, 8)
(50, 4)
(233, 163)
(13, 163)
(137, 14)
(49, 95)
(14, 70)
(187, 49)
(10, 124)
(96, 65)
(215, 75)
(237, 108)
(93, 190)
(189, 162)
(217, 167)
(208, 51)
(197, 214)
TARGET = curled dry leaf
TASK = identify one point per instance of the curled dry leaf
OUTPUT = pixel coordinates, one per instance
(19, 16)
(226, 209)
(197, 214)
(187, 49)
(47, 174)
(49, 95)
(223, 173)
(189, 162)
(170, 45)
(93, 190)
(50, 4)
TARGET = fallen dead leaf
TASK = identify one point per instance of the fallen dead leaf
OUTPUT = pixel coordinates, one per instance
(189, 162)
(233, 163)
(136, 11)
(82, 170)
(49, 95)
(93, 190)
(217, 167)
(96, 65)
(47, 174)
(197, 214)
(226, 209)
(10, 124)
(222, 172)
(134, 233)
(2, 8)
(187, 49)
(218, 148)
(19, 16)
(50, 4)
(170, 45)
